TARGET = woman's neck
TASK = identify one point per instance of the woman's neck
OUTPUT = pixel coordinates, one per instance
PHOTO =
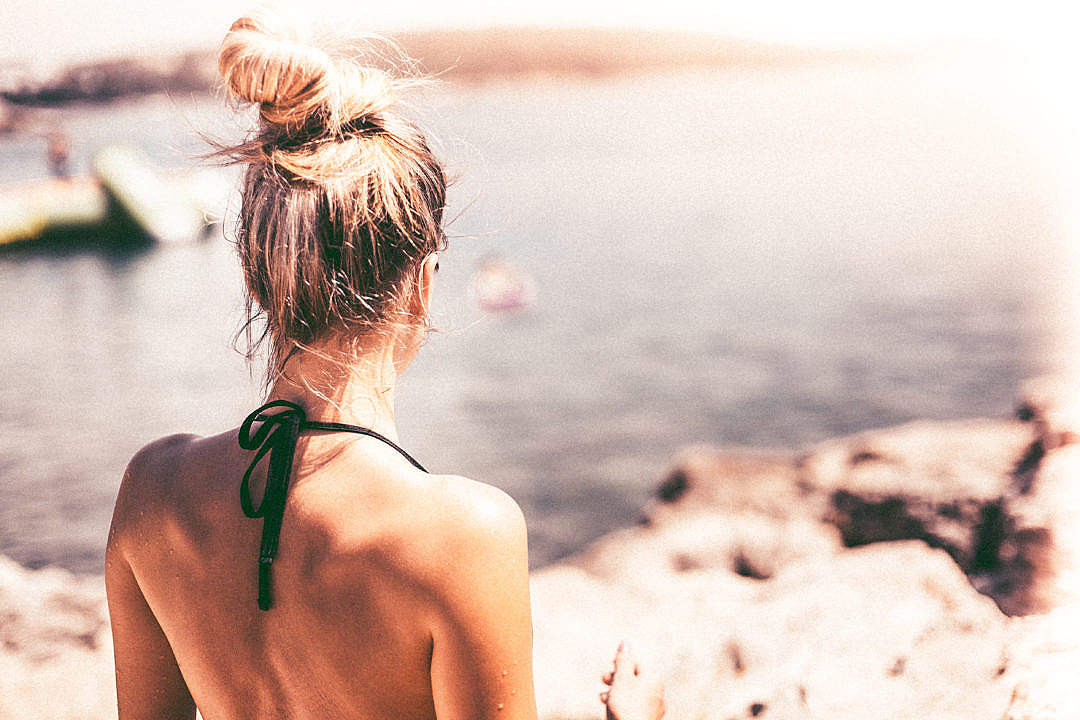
(360, 394)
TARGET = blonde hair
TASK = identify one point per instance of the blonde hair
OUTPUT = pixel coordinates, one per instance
(342, 199)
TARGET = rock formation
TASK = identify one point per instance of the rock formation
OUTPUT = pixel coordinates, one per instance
(55, 646)
(895, 573)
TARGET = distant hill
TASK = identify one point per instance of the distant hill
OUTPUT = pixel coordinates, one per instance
(493, 52)
(466, 55)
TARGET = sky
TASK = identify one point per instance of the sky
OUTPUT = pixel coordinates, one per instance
(52, 32)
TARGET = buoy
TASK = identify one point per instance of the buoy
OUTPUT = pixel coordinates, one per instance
(499, 286)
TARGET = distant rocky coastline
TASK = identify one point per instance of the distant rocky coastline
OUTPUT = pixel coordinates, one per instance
(460, 55)
(921, 571)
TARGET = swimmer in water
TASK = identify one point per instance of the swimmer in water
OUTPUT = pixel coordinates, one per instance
(58, 152)
(304, 565)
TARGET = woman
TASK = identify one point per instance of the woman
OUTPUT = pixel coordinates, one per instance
(379, 591)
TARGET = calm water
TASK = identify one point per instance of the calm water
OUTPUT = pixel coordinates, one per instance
(765, 258)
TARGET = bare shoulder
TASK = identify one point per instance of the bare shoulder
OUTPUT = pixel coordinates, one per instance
(154, 465)
(158, 454)
(481, 628)
(146, 482)
(424, 523)
(477, 538)
(435, 528)
(474, 514)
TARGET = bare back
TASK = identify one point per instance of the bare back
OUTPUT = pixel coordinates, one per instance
(383, 587)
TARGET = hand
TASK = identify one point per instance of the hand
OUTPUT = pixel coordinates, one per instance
(634, 695)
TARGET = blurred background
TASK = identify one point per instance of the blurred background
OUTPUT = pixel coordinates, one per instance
(759, 224)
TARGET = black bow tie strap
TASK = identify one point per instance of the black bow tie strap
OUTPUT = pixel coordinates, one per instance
(277, 435)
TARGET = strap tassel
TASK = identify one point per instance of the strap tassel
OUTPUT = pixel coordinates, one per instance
(264, 582)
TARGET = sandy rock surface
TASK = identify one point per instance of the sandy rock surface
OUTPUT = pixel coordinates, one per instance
(1045, 652)
(55, 646)
(898, 573)
(888, 631)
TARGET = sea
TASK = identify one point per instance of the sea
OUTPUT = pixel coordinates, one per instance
(752, 256)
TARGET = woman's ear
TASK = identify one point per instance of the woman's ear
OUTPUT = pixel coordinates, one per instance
(425, 282)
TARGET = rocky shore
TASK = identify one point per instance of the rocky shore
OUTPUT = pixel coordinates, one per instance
(922, 571)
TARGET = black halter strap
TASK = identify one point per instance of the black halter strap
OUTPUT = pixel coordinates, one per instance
(277, 435)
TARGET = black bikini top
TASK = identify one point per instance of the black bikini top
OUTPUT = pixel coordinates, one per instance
(277, 435)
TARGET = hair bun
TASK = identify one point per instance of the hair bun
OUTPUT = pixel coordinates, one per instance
(264, 60)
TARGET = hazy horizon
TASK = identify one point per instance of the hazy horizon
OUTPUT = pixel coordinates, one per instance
(117, 28)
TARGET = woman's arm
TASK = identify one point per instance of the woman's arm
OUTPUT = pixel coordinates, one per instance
(481, 666)
(149, 685)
